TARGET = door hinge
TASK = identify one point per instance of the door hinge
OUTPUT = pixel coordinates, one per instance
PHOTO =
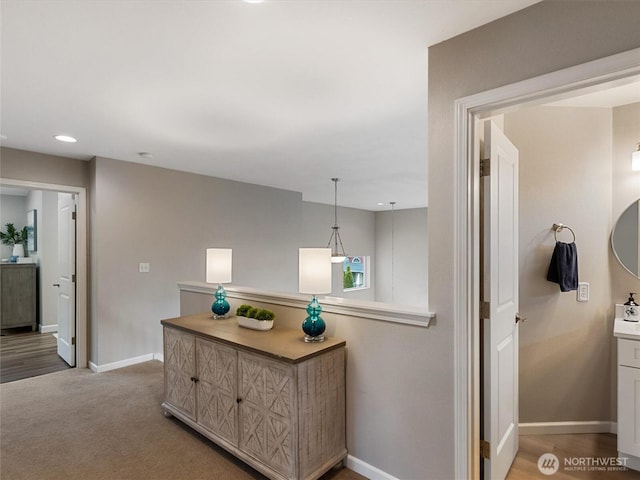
(73, 215)
(485, 449)
(485, 167)
(73, 340)
(484, 310)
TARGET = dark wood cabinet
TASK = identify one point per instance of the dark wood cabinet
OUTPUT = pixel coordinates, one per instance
(19, 295)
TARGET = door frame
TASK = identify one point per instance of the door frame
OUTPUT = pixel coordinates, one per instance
(81, 257)
(592, 76)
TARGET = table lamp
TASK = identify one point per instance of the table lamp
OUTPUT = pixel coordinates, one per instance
(314, 277)
(219, 271)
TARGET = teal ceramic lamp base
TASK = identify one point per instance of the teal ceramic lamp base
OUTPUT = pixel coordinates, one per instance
(314, 326)
(220, 306)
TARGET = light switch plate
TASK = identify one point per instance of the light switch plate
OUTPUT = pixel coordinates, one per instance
(143, 268)
(583, 292)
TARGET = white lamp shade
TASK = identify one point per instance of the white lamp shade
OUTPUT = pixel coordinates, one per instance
(635, 161)
(218, 265)
(314, 270)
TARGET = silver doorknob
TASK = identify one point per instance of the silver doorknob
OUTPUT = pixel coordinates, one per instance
(520, 318)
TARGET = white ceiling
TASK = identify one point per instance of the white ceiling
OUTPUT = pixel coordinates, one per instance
(608, 98)
(285, 93)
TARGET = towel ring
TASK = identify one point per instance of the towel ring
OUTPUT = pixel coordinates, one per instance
(558, 227)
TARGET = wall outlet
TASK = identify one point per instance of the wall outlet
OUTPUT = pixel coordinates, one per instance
(583, 292)
(143, 268)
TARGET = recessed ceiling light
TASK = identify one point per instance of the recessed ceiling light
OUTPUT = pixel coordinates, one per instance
(253, 1)
(65, 138)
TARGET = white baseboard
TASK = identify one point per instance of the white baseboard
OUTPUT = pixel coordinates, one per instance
(122, 363)
(558, 428)
(632, 462)
(366, 470)
(48, 328)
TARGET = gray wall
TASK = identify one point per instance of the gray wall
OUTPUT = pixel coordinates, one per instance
(13, 209)
(401, 263)
(168, 219)
(543, 38)
(389, 394)
(565, 177)
(38, 167)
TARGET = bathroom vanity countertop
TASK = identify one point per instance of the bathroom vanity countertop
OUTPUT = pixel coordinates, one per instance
(630, 330)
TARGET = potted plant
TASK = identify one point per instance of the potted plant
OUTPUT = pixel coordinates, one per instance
(254, 318)
(14, 238)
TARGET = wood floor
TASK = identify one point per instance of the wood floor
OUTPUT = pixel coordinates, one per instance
(26, 354)
(570, 449)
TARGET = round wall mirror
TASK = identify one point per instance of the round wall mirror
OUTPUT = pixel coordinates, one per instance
(625, 239)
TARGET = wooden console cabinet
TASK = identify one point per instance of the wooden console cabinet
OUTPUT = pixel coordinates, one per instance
(19, 295)
(269, 398)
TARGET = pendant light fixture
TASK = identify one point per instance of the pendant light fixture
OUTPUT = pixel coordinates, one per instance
(337, 255)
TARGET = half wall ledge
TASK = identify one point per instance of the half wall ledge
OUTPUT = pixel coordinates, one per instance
(384, 312)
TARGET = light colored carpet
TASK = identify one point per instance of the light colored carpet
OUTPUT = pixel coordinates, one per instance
(106, 426)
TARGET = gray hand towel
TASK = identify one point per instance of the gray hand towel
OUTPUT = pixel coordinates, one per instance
(563, 268)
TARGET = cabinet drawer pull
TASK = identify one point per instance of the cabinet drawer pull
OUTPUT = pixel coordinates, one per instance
(195, 379)
(238, 400)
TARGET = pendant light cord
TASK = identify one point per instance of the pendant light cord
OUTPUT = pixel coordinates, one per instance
(335, 235)
(393, 204)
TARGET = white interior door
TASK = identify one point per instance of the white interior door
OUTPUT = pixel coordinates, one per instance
(66, 282)
(500, 290)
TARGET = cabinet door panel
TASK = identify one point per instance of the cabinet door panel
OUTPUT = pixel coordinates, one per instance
(267, 428)
(217, 389)
(629, 410)
(18, 303)
(179, 368)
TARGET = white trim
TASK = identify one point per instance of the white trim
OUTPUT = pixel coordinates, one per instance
(122, 363)
(632, 461)
(561, 428)
(356, 308)
(48, 328)
(591, 75)
(81, 257)
(366, 470)
(159, 357)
